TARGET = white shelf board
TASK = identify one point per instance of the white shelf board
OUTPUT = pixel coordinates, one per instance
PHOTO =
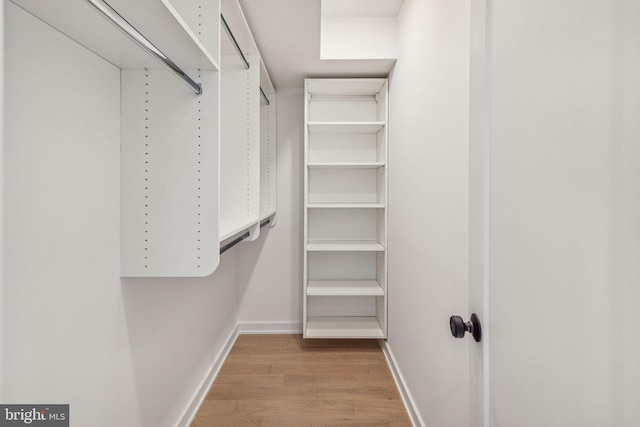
(344, 87)
(267, 215)
(345, 246)
(159, 24)
(345, 206)
(343, 327)
(345, 165)
(344, 288)
(345, 127)
(231, 227)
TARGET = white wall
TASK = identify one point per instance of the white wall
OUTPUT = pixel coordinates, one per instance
(428, 206)
(120, 352)
(270, 269)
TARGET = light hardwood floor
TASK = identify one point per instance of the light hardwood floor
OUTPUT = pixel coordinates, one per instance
(283, 380)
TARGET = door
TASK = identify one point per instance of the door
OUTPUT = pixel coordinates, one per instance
(555, 213)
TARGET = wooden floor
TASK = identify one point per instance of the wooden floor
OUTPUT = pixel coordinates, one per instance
(283, 380)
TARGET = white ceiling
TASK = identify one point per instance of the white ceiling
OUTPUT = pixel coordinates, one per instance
(287, 33)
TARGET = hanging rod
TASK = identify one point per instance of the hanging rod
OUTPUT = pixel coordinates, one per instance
(234, 242)
(235, 42)
(239, 50)
(120, 23)
(239, 239)
(264, 96)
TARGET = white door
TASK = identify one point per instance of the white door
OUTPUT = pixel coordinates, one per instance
(555, 213)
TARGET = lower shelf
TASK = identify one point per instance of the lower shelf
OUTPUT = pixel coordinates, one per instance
(344, 287)
(343, 327)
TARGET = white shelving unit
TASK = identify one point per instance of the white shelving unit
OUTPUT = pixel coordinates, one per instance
(248, 134)
(345, 212)
(197, 160)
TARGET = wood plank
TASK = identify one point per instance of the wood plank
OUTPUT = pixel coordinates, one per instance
(315, 357)
(250, 380)
(251, 392)
(362, 393)
(340, 380)
(325, 369)
(333, 421)
(295, 409)
(231, 367)
(389, 409)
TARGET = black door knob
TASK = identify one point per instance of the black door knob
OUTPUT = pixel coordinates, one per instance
(459, 327)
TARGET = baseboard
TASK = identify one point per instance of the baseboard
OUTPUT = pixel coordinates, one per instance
(195, 402)
(407, 399)
(270, 328)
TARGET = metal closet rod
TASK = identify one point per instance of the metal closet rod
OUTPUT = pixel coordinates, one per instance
(120, 23)
(239, 50)
(239, 239)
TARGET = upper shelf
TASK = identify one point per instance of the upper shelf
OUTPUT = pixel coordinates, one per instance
(345, 165)
(345, 127)
(345, 87)
(345, 246)
(160, 22)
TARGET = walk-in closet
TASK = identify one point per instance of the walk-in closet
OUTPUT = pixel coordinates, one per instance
(319, 212)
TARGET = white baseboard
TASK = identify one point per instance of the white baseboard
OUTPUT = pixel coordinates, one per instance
(271, 328)
(192, 408)
(407, 399)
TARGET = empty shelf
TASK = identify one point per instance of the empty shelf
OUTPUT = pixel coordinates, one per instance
(345, 245)
(345, 87)
(345, 127)
(347, 165)
(343, 327)
(345, 206)
(230, 227)
(344, 288)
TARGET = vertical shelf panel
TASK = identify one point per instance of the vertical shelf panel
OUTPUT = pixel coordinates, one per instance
(169, 179)
(239, 144)
(268, 196)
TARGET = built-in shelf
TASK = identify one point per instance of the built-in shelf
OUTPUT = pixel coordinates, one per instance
(345, 210)
(346, 165)
(345, 205)
(345, 245)
(343, 327)
(345, 127)
(160, 22)
(344, 88)
(344, 288)
(231, 227)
